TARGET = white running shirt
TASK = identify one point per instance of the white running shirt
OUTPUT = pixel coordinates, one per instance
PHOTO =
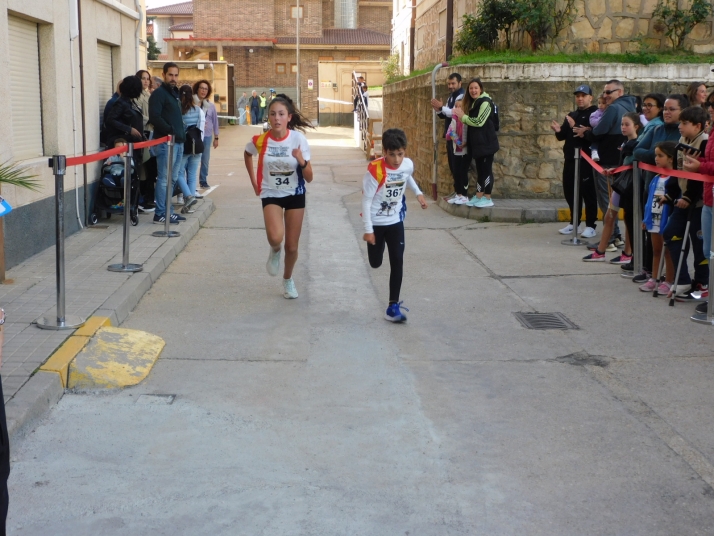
(279, 174)
(383, 188)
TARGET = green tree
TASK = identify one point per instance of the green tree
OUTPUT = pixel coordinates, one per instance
(679, 22)
(482, 31)
(152, 51)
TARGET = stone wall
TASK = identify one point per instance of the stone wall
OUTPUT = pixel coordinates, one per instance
(530, 161)
(600, 26)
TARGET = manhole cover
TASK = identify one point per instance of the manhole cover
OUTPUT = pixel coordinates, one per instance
(162, 400)
(545, 321)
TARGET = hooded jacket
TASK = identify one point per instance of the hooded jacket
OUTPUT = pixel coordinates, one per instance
(608, 133)
(482, 136)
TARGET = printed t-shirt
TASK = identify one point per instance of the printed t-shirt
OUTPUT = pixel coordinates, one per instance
(383, 188)
(657, 209)
(279, 174)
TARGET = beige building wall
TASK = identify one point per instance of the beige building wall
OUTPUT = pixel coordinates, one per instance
(600, 26)
(111, 22)
(191, 72)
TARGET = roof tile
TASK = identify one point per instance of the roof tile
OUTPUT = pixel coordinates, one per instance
(184, 8)
(342, 36)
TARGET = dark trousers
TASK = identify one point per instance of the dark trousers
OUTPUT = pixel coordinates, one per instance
(587, 191)
(393, 237)
(460, 170)
(626, 204)
(254, 116)
(674, 236)
(147, 186)
(484, 171)
(4, 463)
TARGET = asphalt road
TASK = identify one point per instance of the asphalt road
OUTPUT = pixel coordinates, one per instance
(315, 416)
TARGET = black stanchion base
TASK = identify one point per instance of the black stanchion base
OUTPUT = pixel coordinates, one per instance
(169, 234)
(125, 267)
(575, 241)
(70, 322)
(701, 318)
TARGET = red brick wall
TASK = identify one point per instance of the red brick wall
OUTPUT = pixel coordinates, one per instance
(311, 24)
(231, 18)
(376, 18)
(328, 13)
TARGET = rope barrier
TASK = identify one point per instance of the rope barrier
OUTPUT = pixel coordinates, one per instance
(150, 143)
(599, 168)
(79, 160)
(677, 173)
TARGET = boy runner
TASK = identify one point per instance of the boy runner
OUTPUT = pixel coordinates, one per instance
(383, 211)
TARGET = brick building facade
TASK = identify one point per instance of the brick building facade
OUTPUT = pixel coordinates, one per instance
(258, 38)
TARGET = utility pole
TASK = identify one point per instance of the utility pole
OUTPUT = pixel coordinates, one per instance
(297, 52)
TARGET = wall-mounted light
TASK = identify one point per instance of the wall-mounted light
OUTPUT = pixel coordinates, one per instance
(250, 50)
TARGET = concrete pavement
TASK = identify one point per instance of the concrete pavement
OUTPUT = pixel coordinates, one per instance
(315, 416)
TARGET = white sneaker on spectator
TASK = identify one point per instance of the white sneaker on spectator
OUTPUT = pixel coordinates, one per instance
(568, 229)
(611, 248)
(459, 200)
(179, 199)
(595, 156)
(588, 232)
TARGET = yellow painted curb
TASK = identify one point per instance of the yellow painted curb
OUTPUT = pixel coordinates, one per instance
(63, 356)
(115, 358)
(564, 214)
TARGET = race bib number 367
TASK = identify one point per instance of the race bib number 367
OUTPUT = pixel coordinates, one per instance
(393, 191)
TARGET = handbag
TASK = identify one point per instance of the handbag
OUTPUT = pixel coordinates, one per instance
(193, 144)
(622, 182)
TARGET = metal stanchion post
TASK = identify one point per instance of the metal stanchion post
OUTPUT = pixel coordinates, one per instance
(167, 232)
(637, 219)
(575, 241)
(59, 166)
(707, 318)
(125, 266)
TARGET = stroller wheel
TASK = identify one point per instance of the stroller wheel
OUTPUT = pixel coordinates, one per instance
(93, 220)
(134, 219)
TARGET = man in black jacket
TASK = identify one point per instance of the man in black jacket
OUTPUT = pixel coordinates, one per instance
(165, 115)
(577, 118)
(444, 112)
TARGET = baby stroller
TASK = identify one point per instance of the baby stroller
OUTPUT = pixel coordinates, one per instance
(111, 193)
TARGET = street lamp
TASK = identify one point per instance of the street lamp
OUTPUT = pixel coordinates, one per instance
(297, 51)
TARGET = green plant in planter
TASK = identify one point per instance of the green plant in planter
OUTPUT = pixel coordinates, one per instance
(678, 22)
(13, 175)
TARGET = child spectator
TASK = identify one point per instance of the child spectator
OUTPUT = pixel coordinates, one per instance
(595, 118)
(631, 127)
(113, 170)
(692, 122)
(457, 135)
(662, 192)
(383, 211)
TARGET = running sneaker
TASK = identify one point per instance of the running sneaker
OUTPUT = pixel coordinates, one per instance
(642, 277)
(619, 242)
(179, 199)
(664, 288)
(588, 232)
(474, 202)
(649, 286)
(698, 293)
(290, 292)
(458, 200)
(629, 267)
(568, 229)
(611, 247)
(162, 219)
(595, 155)
(176, 218)
(702, 308)
(394, 313)
(622, 259)
(595, 256)
(273, 264)
(485, 202)
(204, 186)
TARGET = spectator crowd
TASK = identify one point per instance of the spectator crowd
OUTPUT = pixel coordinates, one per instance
(612, 129)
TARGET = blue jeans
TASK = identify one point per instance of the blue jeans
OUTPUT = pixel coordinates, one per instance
(707, 231)
(205, 158)
(254, 116)
(241, 116)
(189, 173)
(162, 157)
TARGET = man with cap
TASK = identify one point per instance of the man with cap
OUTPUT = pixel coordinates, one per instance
(578, 117)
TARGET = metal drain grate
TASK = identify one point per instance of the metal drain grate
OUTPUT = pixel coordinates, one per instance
(545, 321)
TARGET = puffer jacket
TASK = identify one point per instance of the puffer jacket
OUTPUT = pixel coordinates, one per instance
(707, 168)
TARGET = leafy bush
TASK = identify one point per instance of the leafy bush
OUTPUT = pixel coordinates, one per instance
(391, 68)
(678, 22)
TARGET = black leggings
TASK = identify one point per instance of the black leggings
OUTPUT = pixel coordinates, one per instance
(393, 237)
(484, 170)
(461, 173)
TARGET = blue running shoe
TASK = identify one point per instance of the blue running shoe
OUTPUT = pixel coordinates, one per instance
(394, 314)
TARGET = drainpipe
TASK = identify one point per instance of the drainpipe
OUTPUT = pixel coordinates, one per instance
(137, 33)
(82, 109)
(433, 129)
(449, 28)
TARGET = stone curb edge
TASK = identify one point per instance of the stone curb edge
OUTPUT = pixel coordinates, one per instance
(45, 388)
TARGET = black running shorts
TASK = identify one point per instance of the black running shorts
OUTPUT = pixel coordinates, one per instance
(289, 202)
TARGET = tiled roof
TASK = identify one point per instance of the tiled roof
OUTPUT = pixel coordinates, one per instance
(342, 36)
(184, 8)
(183, 27)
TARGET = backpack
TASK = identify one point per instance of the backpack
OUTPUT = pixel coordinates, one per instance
(494, 117)
(193, 144)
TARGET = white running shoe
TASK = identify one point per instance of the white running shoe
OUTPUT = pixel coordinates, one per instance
(273, 264)
(589, 232)
(595, 155)
(179, 199)
(459, 200)
(290, 290)
(568, 229)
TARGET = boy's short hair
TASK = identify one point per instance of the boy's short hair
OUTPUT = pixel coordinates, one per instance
(394, 139)
(695, 115)
(121, 141)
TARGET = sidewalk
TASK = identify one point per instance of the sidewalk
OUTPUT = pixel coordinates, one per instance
(30, 292)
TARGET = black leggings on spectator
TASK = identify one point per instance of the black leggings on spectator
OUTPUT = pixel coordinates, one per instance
(484, 171)
(460, 171)
(587, 191)
(393, 237)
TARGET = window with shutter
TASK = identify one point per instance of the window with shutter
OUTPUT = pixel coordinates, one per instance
(105, 77)
(25, 89)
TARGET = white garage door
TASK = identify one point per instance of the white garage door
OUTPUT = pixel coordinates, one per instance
(105, 78)
(25, 89)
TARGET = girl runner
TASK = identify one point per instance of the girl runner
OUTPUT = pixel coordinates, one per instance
(283, 169)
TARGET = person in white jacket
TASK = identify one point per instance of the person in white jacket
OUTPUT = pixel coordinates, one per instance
(383, 210)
